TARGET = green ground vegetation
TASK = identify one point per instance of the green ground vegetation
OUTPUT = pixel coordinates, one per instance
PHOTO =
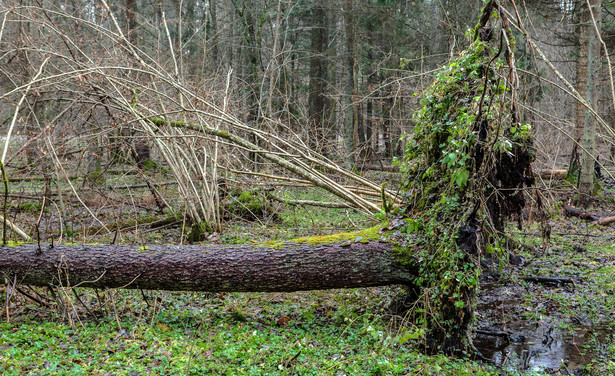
(338, 332)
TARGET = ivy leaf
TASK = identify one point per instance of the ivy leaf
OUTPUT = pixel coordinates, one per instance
(461, 176)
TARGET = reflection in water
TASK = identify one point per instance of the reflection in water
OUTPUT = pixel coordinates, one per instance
(538, 347)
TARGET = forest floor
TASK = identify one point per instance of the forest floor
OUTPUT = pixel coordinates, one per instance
(522, 327)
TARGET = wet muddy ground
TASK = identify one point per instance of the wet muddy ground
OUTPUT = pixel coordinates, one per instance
(554, 328)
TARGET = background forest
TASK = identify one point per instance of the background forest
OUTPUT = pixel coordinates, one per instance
(340, 80)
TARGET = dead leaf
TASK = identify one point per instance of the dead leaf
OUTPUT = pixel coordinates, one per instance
(282, 321)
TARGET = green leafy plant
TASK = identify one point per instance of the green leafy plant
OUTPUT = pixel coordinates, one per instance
(464, 167)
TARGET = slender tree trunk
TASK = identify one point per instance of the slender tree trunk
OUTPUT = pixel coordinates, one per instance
(275, 64)
(387, 123)
(288, 267)
(318, 101)
(586, 179)
(131, 22)
(582, 38)
(351, 116)
(140, 146)
(251, 75)
(215, 49)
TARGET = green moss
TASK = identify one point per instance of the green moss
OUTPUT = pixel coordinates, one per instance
(157, 121)
(250, 204)
(150, 165)
(363, 236)
(12, 243)
(246, 200)
(198, 232)
(273, 244)
(30, 206)
(465, 161)
(222, 134)
(96, 177)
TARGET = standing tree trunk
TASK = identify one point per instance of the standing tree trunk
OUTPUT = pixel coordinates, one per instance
(140, 147)
(212, 33)
(351, 112)
(582, 39)
(586, 177)
(318, 100)
(131, 23)
(251, 71)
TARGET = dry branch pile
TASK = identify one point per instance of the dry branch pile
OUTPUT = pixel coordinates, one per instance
(84, 110)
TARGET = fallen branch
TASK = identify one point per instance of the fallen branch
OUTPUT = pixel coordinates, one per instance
(548, 280)
(16, 229)
(153, 222)
(322, 204)
(604, 218)
(33, 178)
(378, 167)
(551, 174)
(493, 333)
(292, 164)
(144, 185)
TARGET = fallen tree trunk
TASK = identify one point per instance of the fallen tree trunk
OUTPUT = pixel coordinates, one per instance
(551, 174)
(605, 218)
(378, 167)
(281, 267)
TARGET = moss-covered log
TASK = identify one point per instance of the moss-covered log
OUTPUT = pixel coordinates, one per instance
(287, 266)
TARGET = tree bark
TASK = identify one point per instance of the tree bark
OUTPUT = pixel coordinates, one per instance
(586, 177)
(318, 102)
(140, 146)
(351, 112)
(290, 267)
(582, 40)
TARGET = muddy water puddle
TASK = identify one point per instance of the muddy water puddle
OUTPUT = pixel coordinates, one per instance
(540, 347)
(547, 344)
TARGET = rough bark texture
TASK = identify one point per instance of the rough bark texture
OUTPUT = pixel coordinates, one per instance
(582, 40)
(351, 133)
(587, 174)
(292, 267)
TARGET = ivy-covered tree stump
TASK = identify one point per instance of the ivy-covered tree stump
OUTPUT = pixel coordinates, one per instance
(465, 167)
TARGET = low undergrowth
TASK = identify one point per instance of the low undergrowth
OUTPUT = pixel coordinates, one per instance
(344, 332)
(338, 332)
(126, 332)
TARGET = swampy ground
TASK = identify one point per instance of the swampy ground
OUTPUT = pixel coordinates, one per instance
(522, 328)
